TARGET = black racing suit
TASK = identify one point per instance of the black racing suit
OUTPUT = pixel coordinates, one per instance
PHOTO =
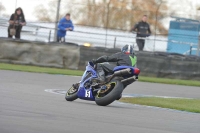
(118, 59)
(143, 30)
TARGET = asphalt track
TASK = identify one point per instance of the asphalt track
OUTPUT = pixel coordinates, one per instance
(26, 108)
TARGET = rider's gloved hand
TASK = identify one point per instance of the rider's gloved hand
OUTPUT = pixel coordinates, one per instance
(94, 61)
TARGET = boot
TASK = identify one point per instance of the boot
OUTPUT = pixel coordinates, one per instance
(98, 80)
(76, 86)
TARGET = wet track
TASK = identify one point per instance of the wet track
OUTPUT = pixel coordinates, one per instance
(26, 108)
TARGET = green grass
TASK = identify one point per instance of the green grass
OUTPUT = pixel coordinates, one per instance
(190, 105)
(37, 69)
(170, 81)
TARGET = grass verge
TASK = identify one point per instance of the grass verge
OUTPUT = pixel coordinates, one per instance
(170, 81)
(37, 69)
(189, 105)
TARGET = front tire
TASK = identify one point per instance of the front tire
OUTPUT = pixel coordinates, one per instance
(71, 94)
(113, 93)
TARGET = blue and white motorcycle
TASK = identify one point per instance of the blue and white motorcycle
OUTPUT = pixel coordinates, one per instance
(103, 93)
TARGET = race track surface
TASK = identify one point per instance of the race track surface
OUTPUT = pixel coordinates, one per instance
(26, 108)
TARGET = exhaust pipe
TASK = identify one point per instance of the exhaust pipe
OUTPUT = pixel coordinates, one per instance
(120, 73)
(129, 80)
(123, 72)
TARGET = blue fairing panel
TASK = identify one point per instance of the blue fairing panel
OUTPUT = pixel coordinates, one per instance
(118, 68)
(86, 94)
(90, 73)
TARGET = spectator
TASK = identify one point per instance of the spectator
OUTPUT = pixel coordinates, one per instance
(16, 22)
(64, 25)
(143, 30)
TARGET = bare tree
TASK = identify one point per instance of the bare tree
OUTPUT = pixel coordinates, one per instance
(48, 13)
(2, 8)
(185, 10)
(122, 14)
(116, 14)
(198, 12)
(42, 14)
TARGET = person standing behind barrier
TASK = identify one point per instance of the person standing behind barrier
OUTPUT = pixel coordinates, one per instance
(16, 22)
(143, 30)
(64, 25)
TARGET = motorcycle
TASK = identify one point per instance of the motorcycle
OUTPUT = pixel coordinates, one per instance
(103, 93)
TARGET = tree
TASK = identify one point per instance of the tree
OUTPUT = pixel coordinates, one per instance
(48, 13)
(2, 8)
(114, 14)
(42, 14)
(123, 14)
(186, 9)
(198, 16)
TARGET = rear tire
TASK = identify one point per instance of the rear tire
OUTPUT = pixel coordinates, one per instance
(70, 95)
(112, 95)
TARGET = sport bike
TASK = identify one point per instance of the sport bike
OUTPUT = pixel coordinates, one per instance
(103, 93)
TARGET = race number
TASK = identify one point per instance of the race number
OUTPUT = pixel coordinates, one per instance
(87, 93)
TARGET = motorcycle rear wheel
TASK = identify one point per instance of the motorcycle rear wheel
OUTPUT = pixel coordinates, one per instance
(113, 92)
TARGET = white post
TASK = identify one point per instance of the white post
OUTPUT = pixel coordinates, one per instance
(198, 47)
(57, 17)
(15, 4)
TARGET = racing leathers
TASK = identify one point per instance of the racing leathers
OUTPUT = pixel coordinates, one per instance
(118, 59)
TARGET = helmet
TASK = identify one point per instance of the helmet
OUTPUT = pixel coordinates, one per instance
(127, 49)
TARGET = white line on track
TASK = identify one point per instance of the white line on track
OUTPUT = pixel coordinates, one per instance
(63, 92)
(141, 95)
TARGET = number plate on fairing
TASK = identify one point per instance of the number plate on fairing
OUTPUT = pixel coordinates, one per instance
(85, 94)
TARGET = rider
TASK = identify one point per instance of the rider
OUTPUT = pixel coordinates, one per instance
(124, 58)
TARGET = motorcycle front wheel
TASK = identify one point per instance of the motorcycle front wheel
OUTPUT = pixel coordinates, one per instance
(71, 94)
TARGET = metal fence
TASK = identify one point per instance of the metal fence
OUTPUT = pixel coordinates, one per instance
(107, 23)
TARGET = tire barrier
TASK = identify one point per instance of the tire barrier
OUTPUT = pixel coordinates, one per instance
(40, 54)
(156, 64)
(72, 56)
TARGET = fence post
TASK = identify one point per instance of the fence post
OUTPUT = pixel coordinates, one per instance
(190, 49)
(160, 4)
(198, 47)
(115, 42)
(107, 22)
(36, 31)
(57, 17)
(49, 35)
(15, 4)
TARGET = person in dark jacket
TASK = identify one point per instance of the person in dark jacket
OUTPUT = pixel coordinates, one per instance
(17, 21)
(64, 25)
(143, 30)
(124, 58)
